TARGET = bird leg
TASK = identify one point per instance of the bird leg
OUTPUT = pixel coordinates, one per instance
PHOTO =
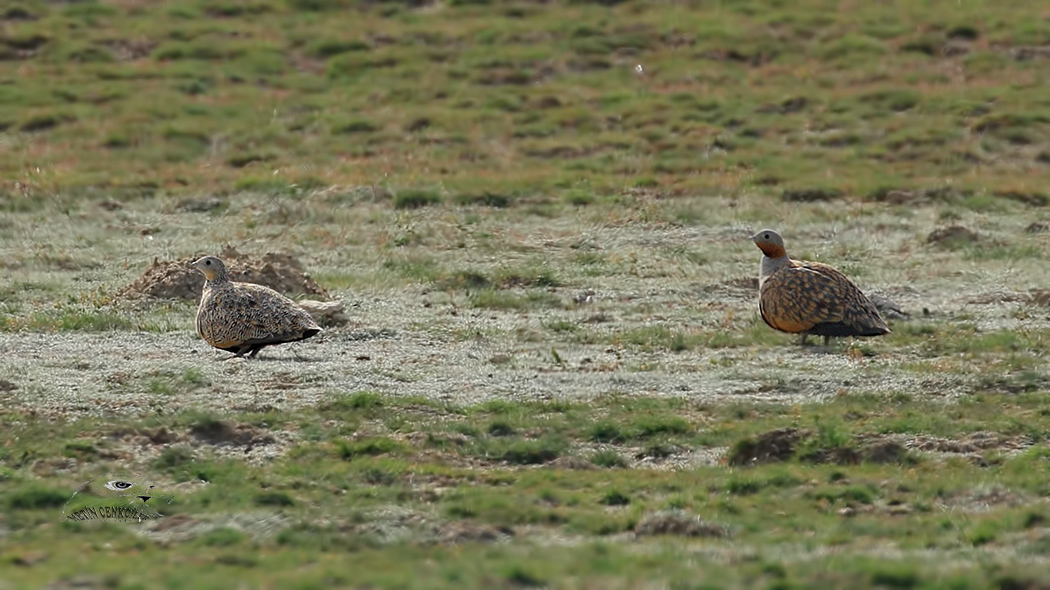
(827, 340)
(803, 339)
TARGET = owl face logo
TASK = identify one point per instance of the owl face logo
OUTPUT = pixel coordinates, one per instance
(121, 497)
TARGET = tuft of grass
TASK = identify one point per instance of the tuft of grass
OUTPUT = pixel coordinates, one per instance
(486, 199)
(648, 426)
(516, 575)
(519, 451)
(325, 48)
(35, 497)
(369, 401)
(615, 498)
(463, 279)
(416, 199)
(222, 537)
(368, 447)
(500, 428)
(273, 498)
(609, 458)
(606, 432)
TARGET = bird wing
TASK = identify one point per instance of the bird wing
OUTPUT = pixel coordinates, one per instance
(855, 302)
(270, 315)
(236, 316)
(796, 298)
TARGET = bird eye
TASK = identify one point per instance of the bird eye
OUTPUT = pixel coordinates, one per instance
(207, 263)
(765, 236)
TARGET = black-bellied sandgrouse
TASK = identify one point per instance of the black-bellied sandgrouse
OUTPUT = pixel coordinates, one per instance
(244, 317)
(800, 297)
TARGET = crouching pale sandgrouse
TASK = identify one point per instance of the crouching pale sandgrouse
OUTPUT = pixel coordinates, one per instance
(242, 318)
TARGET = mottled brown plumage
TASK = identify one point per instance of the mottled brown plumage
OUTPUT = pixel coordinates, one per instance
(806, 298)
(243, 317)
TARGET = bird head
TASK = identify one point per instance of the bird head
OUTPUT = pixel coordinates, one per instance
(211, 267)
(770, 243)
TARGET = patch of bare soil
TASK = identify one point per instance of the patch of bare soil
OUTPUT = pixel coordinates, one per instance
(218, 432)
(176, 279)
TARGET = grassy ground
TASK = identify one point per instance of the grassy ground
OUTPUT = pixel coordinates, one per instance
(537, 214)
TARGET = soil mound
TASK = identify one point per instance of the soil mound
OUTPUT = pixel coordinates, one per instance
(175, 279)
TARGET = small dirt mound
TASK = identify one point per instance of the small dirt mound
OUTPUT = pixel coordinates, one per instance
(769, 447)
(836, 455)
(885, 451)
(1039, 297)
(218, 432)
(812, 195)
(952, 235)
(678, 523)
(176, 279)
(570, 463)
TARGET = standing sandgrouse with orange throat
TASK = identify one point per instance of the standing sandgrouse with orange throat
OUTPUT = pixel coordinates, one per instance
(800, 297)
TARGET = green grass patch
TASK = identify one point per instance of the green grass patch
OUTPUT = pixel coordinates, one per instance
(416, 198)
(387, 481)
